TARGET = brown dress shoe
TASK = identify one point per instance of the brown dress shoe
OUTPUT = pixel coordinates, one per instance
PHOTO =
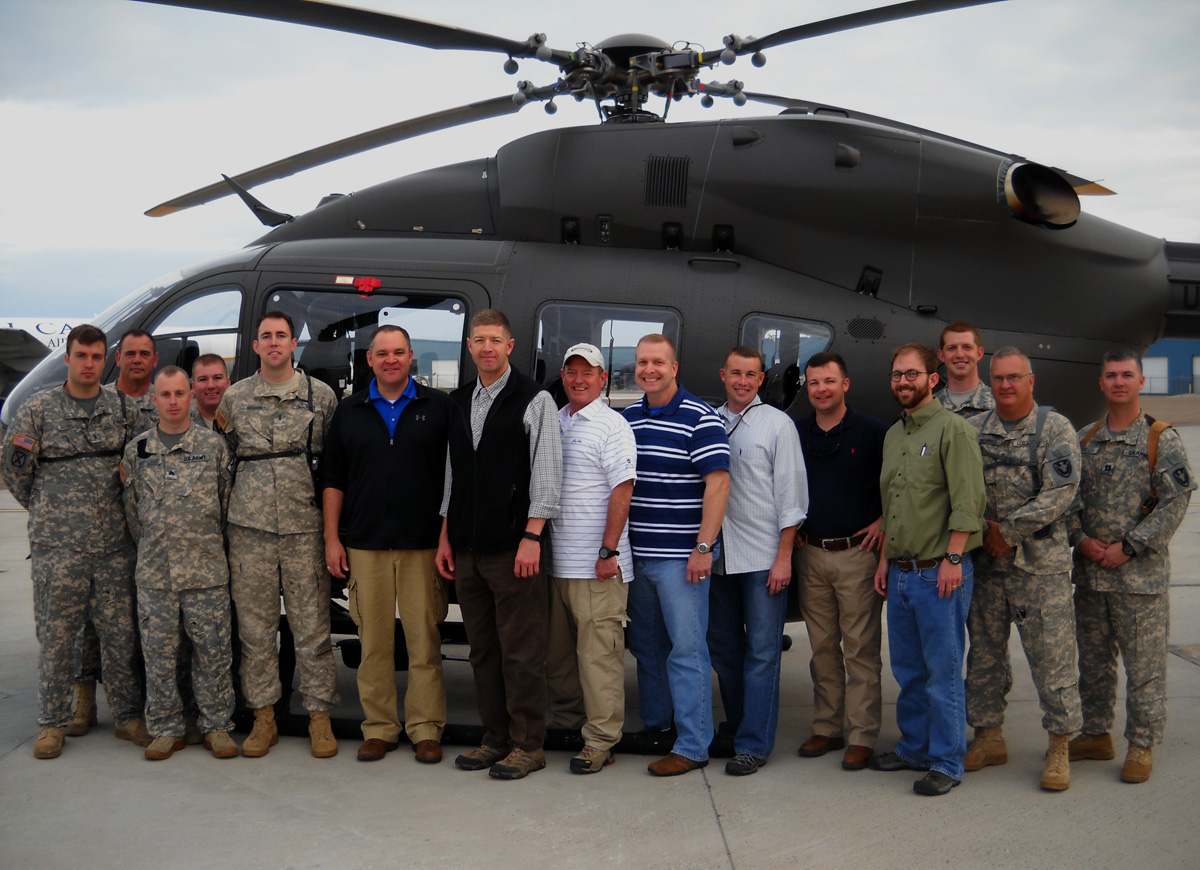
(374, 748)
(428, 751)
(819, 744)
(674, 765)
(856, 757)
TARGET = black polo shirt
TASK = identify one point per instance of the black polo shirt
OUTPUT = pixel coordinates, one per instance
(843, 468)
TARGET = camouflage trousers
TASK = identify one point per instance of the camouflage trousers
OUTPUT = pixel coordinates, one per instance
(1135, 625)
(260, 565)
(1041, 607)
(204, 615)
(87, 664)
(67, 585)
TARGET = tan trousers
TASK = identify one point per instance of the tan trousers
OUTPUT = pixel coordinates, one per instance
(842, 613)
(585, 657)
(382, 581)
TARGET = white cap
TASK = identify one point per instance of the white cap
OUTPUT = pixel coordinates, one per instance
(589, 352)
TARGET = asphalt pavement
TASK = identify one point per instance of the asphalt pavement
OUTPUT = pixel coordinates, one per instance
(102, 805)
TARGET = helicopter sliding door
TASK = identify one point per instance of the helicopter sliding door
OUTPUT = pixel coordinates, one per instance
(334, 330)
(203, 322)
(614, 329)
(787, 344)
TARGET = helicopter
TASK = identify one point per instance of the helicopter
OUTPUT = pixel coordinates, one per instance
(814, 227)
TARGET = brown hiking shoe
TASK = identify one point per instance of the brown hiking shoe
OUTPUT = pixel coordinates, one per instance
(1139, 761)
(135, 731)
(988, 747)
(518, 764)
(320, 735)
(1093, 746)
(84, 716)
(49, 743)
(162, 748)
(480, 759)
(1056, 775)
(220, 744)
(263, 735)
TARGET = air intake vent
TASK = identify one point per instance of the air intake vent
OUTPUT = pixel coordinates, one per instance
(666, 182)
(865, 329)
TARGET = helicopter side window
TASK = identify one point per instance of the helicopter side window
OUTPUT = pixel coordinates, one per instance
(786, 343)
(334, 332)
(615, 329)
(200, 325)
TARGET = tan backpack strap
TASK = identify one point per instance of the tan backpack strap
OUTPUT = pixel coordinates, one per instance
(1088, 436)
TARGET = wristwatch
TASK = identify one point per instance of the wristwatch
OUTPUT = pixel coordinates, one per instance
(703, 548)
(1127, 548)
(606, 553)
(954, 558)
(531, 536)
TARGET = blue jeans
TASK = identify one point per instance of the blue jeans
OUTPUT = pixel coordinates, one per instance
(668, 620)
(927, 637)
(745, 640)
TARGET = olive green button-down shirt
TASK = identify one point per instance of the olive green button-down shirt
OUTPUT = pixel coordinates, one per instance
(931, 483)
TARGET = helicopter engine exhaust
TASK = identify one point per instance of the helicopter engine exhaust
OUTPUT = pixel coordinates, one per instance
(1040, 195)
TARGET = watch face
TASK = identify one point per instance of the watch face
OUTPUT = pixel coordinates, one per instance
(703, 548)
(954, 558)
(606, 553)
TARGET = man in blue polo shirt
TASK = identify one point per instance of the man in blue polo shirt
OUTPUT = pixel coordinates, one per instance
(674, 519)
(384, 472)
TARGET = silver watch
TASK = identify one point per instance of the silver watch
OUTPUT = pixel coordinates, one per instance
(703, 548)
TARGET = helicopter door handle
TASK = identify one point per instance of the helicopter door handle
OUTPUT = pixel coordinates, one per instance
(715, 264)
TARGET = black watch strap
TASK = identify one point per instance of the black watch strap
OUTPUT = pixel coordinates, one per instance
(606, 553)
(531, 536)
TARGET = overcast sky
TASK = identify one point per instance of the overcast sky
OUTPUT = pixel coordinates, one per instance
(108, 107)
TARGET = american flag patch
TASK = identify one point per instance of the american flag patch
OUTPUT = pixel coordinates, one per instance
(23, 441)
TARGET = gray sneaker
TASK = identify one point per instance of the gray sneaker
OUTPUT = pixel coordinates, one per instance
(891, 761)
(480, 759)
(934, 784)
(744, 764)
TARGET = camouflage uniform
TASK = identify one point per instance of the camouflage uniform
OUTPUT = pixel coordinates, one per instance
(1032, 479)
(83, 556)
(1127, 608)
(980, 400)
(87, 644)
(175, 501)
(275, 534)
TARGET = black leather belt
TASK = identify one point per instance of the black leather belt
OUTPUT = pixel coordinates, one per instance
(833, 545)
(915, 564)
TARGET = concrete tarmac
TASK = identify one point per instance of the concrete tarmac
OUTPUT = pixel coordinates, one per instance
(102, 805)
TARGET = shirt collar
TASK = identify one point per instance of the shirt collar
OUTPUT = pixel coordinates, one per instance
(494, 388)
(409, 391)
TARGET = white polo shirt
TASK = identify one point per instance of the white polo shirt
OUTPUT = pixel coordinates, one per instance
(599, 453)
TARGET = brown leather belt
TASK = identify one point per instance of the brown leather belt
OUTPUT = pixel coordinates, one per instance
(833, 545)
(915, 564)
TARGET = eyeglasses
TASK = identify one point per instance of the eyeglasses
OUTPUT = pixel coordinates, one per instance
(1009, 379)
(910, 375)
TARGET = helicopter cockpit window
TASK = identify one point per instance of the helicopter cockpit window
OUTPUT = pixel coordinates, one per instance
(200, 325)
(334, 331)
(787, 344)
(615, 329)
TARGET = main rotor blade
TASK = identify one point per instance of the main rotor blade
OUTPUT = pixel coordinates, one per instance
(895, 12)
(409, 129)
(366, 22)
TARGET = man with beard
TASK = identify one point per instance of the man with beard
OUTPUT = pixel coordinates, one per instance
(933, 504)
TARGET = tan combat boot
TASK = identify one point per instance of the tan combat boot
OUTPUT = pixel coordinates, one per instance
(988, 747)
(320, 734)
(1057, 774)
(220, 744)
(49, 743)
(135, 731)
(85, 709)
(1092, 746)
(1139, 761)
(263, 735)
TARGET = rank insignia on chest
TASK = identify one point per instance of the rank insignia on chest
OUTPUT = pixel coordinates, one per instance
(171, 474)
(1108, 468)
